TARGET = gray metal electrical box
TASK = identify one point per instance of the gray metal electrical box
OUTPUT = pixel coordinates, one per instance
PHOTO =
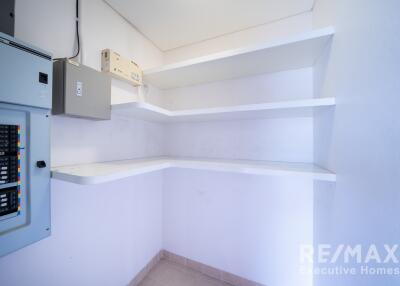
(80, 91)
(25, 102)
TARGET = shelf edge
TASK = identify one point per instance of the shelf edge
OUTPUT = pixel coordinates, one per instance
(221, 166)
(176, 114)
(328, 31)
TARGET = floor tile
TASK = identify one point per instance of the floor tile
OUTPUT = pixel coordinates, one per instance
(148, 282)
(203, 280)
(167, 273)
(171, 274)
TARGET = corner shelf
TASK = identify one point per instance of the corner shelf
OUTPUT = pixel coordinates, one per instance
(151, 112)
(290, 53)
(97, 173)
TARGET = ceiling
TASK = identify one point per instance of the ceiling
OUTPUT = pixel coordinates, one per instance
(174, 23)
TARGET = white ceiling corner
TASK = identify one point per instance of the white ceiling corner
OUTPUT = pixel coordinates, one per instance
(174, 23)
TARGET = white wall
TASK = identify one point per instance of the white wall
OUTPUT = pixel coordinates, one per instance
(247, 90)
(252, 226)
(77, 141)
(362, 70)
(244, 224)
(104, 234)
(277, 139)
(101, 235)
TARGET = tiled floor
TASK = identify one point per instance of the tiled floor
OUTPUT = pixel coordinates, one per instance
(167, 273)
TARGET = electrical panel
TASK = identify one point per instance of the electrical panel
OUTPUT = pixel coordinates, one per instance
(80, 91)
(25, 102)
(120, 67)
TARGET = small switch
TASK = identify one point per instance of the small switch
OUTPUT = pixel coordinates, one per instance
(79, 87)
(43, 78)
(41, 164)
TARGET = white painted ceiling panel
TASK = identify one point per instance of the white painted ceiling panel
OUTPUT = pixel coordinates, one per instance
(174, 23)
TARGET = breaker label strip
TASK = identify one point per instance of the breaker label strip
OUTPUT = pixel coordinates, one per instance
(19, 170)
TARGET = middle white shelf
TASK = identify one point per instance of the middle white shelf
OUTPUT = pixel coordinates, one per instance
(96, 173)
(155, 113)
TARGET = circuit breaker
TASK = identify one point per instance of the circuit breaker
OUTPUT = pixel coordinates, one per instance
(25, 102)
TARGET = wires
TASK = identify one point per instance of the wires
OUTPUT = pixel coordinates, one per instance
(77, 33)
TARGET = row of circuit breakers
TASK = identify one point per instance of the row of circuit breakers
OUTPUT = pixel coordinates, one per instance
(9, 169)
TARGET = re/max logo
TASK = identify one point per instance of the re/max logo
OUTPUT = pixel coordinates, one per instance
(325, 253)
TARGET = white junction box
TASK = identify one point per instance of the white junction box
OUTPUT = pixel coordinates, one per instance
(120, 67)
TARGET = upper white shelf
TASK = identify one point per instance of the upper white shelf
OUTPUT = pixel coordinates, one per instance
(285, 54)
(151, 112)
(97, 173)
